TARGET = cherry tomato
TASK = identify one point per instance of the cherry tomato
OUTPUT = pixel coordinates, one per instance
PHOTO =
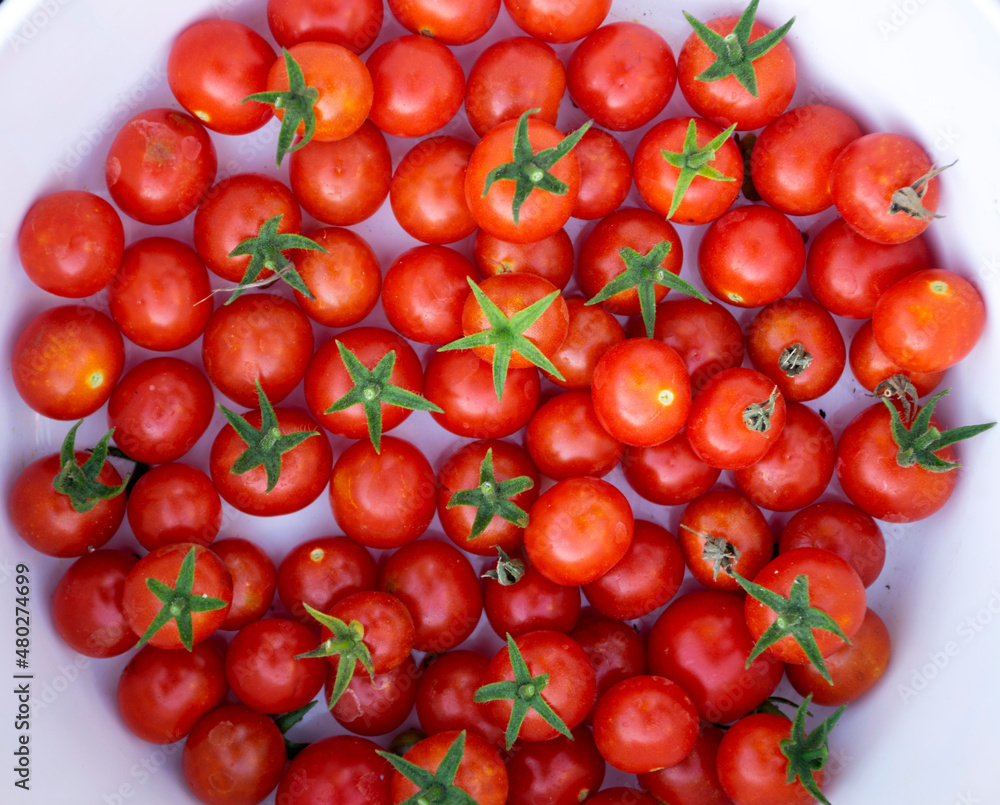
(592, 332)
(702, 643)
(615, 649)
(550, 258)
(418, 85)
(355, 25)
(605, 175)
(159, 409)
(87, 609)
(162, 693)
(345, 280)
(557, 22)
(212, 66)
(529, 604)
(444, 696)
(622, 795)
(668, 473)
(481, 773)
(174, 503)
(565, 438)
(646, 577)
(561, 771)
(578, 530)
(342, 768)
(870, 365)
(622, 75)
(254, 579)
(322, 570)
(384, 499)
(693, 781)
(70, 243)
(66, 360)
(375, 705)
(641, 392)
(453, 22)
(159, 166)
(388, 628)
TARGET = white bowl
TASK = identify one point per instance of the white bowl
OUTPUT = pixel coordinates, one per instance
(71, 71)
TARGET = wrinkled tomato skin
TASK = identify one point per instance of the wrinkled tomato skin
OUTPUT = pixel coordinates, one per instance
(159, 409)
(693, 781)
(66, 361)
(174, 503)
(70, 243)
(87, 609)
(212, 66)
(532, 603)
(565, 438)
(322, 570)
(444, 696)
(340, 768)
(385, 499)
(641, 392)
(354, 25)
(481, 772)
(46, 520)
(163, 692)
(562, 771)
(872, 479)
(702, 643)
(668, 473)
(578, 530)
(159, 166)
(870, 366)
(622, 75)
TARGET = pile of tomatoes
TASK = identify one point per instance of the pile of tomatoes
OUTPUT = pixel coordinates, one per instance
(541, 365)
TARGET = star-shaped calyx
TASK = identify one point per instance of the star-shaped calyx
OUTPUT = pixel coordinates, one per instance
(506, 335)
(807, 754)
(693, 161)
(920, 440)
(79, 482)
(265, 446)
(297, 102)
(507, 571)
(525, 691)
(437, 788)
(530, 170)
(735, 53)
(372, 388)
(266, 250)
(492, 497)
(346, 644)
(644, 272)
(178, 603)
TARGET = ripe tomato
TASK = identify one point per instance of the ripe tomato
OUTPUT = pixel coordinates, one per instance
(565, 438)
(159, 166)
(387, 626)
(46, 519)
(355, 25)
(693, 781)
(233, 755)
(641, 392)
(304, 470)
(384, 499)
(480, 773)
(453, 22)
(709, 522)
(160, 298)
(375, 705)
(842, 528)
(159, 409)
(735, 418)
(727, 100)
(616, 650)
(702, 643)
(797, 344)
(870, 365)
(866, 181)
(645, 723)
(174, 503)
(424, 291)
(462, 470)
(644, 579)
(659, 182)
(605, 175)
(512, 75)
(797, 468)
(668, 473)
(345, 181)
(847, 273)
(87, 609)
(578, 530)
(751, 256)
(444, 696)
(163, 692)
(562, 771)
(166, 567)
(592, 332)
(622, 795)
(427, 193)
(557, 22)
(322, 570)
(254, 578)
(70, 243)
(929, 320)
(622, 75)
(66, 360)
(551, 258)
(212, 66)
(418, 85)
(461, 384)
(259, 337)
(339, 767)
(437, 584)
(793, 156)
(263, 668)
(834, 588)
(530, 603)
